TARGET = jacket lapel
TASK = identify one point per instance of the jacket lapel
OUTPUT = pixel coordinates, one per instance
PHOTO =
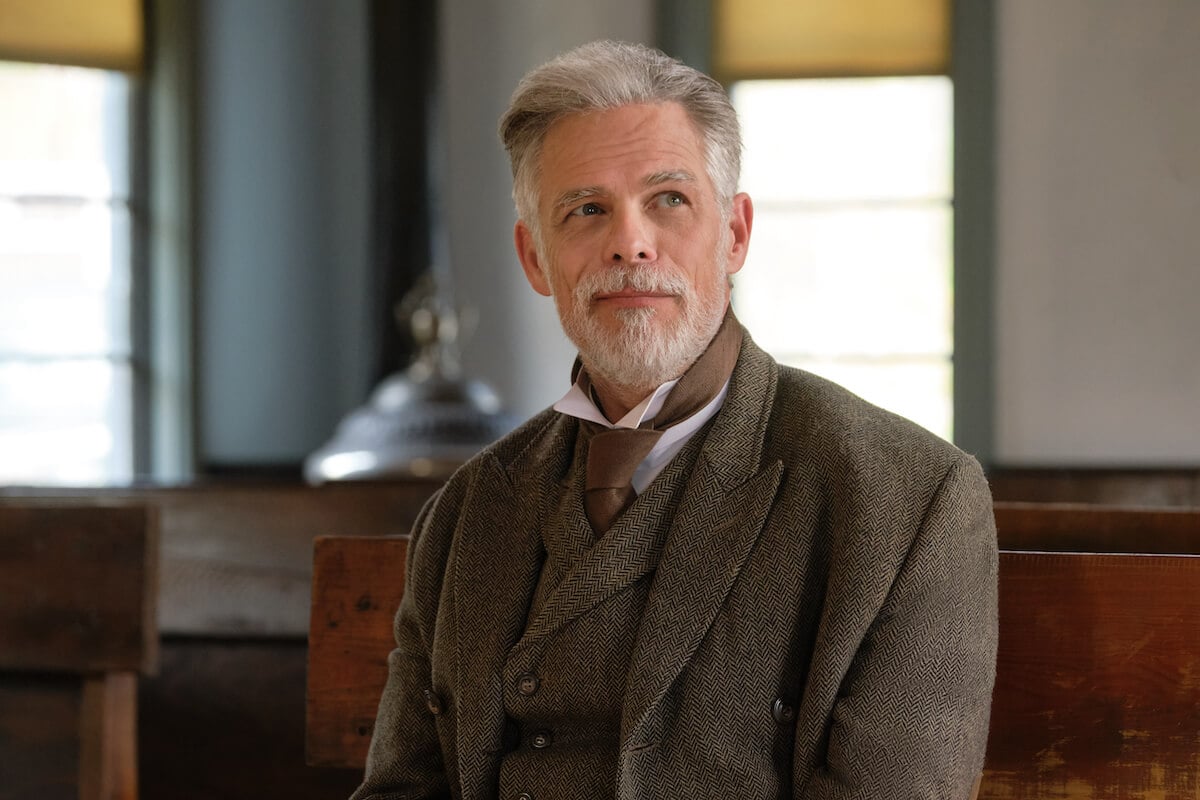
(716, 527)
(709, 542)
(499, 556)
(630, 550)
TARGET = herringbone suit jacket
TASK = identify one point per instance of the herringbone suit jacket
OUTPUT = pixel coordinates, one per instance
(821, 622)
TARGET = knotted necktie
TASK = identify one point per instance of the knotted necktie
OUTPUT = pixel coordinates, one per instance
(615, 453)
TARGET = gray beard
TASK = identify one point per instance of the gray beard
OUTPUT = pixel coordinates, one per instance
(642, 355)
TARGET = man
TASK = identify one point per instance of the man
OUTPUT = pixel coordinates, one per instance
(700, 574)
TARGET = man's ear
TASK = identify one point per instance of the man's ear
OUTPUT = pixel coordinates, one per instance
(527, 252)
(741, 220)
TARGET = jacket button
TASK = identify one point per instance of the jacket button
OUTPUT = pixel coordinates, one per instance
(783, 713)
(524, 796)
(528, 684)
(541, 740)
(433, 702)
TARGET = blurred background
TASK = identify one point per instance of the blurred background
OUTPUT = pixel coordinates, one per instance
(981, 215)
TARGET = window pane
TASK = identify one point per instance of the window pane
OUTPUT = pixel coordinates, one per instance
(65, 132)
(849, 273)
(64, 278)
(65, 422)
(849, 280)
(65, 295)
(846, 139)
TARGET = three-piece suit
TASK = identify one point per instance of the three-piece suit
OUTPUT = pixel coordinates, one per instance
(803, 604)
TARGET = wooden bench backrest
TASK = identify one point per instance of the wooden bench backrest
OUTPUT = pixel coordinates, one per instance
(1067, 528)
(1097, 678)
(78, 588)
(235, 558)
(1096, 683)
(357, 583)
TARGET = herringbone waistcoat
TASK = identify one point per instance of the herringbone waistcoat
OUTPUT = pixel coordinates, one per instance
(565, 679)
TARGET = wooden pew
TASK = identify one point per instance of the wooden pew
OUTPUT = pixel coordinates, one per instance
(1097, 691)
(224, 716)
(77, 625)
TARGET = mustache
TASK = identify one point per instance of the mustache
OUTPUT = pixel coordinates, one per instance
(639, 278)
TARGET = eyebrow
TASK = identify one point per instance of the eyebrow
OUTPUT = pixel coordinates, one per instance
(573, 196)
(670, 176)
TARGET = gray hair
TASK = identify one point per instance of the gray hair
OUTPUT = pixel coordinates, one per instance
(605, 75)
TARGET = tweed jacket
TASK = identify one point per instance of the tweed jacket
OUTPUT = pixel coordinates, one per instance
(821, 621)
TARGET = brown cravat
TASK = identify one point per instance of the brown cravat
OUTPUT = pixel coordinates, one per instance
(615, 453)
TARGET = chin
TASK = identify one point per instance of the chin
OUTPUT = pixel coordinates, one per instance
(642, 351)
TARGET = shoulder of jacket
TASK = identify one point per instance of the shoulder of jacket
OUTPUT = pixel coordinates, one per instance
(822, 429)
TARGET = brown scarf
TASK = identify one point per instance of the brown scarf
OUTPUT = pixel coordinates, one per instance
(615, 453)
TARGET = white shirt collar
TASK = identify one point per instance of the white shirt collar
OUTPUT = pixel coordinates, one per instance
(577, 404)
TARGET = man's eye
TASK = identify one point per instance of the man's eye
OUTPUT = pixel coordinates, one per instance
(586, 210)
(671, 199)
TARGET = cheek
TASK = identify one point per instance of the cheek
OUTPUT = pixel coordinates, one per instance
(573, 248)
(562, 285)
(568, 264)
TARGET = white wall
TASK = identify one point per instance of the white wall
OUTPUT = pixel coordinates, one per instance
(518, 346)
(1098, 229)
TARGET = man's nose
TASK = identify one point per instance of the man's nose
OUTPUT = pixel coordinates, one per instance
(632, 239)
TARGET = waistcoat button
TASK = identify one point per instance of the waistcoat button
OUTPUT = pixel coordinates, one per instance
(541, 740)
(528, 684)
(433, 702)
(783, 713)
(524, 796)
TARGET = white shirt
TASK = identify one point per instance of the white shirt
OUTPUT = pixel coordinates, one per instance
(576, 403)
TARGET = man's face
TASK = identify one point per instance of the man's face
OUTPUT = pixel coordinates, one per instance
(633, 246)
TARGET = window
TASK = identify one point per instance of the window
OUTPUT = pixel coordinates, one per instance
(850, 267)
(66, 376)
